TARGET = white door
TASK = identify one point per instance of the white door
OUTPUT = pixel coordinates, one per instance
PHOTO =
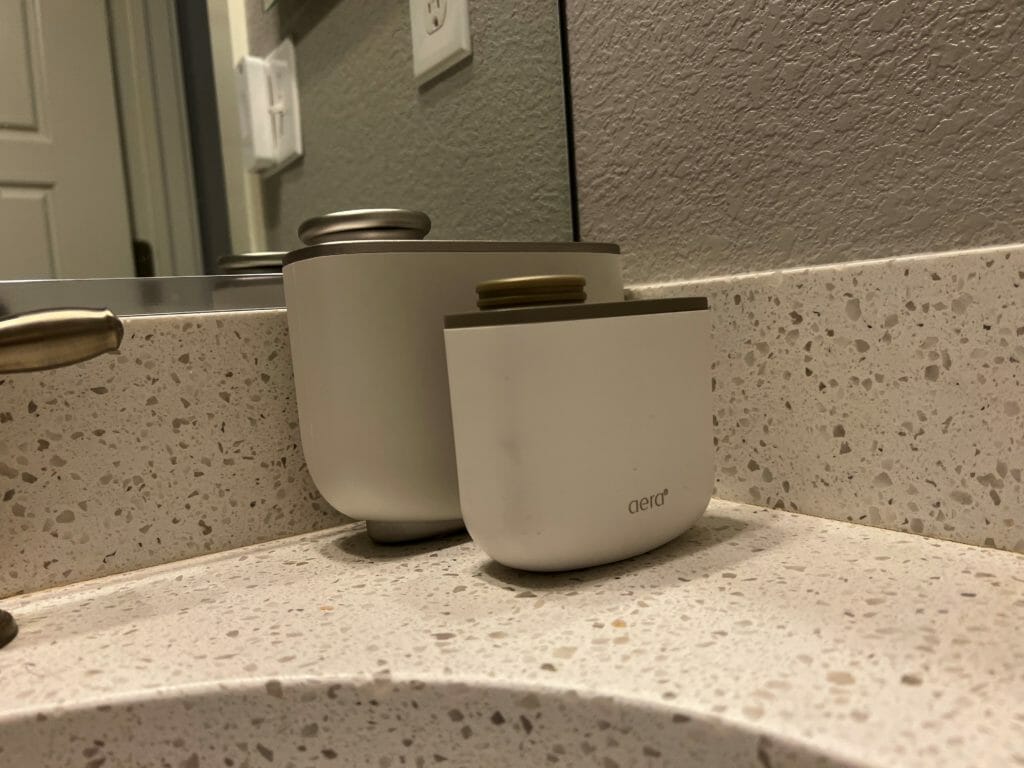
(63, 207)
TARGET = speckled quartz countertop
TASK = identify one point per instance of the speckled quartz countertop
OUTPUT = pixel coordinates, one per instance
(868, 646)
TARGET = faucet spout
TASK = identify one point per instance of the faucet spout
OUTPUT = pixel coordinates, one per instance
(51, 338)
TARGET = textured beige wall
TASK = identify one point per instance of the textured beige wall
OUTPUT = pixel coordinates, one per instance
(742, 135)
(483, 149)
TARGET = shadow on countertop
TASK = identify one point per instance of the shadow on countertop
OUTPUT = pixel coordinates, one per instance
(357, 543)
(713, 545)
(716, 544)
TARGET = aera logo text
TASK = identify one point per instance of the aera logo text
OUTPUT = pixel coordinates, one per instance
(647, 502)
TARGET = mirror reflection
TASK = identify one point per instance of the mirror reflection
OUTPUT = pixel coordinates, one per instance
(165, 137)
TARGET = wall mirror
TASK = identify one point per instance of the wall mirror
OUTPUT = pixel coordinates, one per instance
(121, 148)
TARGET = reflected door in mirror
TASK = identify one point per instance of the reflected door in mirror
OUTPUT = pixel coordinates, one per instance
(63, 207)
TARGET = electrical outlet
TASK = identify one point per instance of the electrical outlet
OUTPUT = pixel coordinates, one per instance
(440, 36)
(437, 10)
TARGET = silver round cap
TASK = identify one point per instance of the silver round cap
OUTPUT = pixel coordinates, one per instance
(365, 224)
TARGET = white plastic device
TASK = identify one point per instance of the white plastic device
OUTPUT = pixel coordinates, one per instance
(583, 434)
(268, 97)
(366, 328)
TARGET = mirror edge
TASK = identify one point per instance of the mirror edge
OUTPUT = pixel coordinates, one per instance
(128, 296)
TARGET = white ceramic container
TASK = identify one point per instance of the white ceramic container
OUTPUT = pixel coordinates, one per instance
(583, 433)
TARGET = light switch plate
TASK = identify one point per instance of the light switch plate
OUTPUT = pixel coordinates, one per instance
(258, 145)
(440, 36)
(269, 109)
(282, 74)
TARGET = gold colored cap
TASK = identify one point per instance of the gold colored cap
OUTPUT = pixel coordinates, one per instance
(532, 291)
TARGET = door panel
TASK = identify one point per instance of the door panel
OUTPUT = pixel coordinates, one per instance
(17, 105)
(63, 207)
(25, 223)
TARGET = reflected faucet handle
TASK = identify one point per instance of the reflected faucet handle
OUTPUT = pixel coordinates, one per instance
(51, 338)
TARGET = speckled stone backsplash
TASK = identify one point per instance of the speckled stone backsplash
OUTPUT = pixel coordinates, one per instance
(889, 393)
(184, 442)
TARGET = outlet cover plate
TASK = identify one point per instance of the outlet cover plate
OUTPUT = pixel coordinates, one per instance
(440, 36)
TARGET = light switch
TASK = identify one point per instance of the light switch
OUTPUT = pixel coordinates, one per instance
(440, 36)
(268, 95)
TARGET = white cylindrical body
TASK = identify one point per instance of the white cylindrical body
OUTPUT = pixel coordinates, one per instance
(366, 325)
(581, 442)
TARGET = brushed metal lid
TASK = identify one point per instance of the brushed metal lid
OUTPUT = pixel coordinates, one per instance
(365, 224)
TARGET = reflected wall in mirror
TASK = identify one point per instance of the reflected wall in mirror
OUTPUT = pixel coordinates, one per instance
(121, 149)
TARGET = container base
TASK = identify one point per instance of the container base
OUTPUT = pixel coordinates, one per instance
(386, 532)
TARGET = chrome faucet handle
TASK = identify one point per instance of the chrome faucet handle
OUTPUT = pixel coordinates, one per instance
(51, 338)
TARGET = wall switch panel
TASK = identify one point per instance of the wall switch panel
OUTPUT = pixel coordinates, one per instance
(268, 96)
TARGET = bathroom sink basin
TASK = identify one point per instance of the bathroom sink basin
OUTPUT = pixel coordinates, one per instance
(381, 722)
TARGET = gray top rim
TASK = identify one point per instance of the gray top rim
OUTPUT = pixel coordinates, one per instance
(564, 312)
(353, 247)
